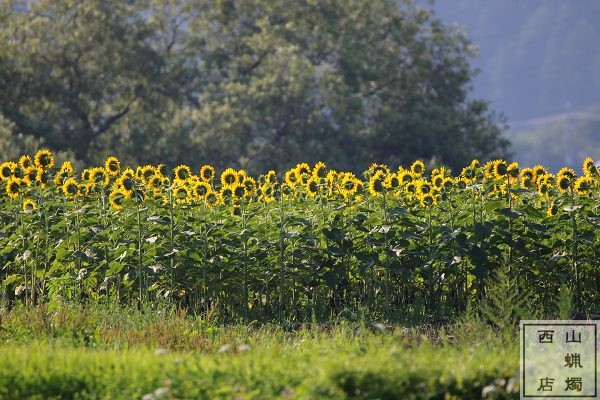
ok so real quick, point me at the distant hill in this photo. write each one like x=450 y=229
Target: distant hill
x=557 y=141
x=537 y=57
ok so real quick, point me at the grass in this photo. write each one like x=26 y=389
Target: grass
x=93 y=353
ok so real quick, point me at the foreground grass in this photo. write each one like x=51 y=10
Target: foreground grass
x=337 y=362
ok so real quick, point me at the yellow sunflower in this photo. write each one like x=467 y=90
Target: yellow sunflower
x=118 y=197
x=376 y=184
x=182 y=172
x=181 y=194
x=70 y=188
x=228 y=177
x=552 y=210
x=267 y=193
x=44 y=159
x=391 y=182
x=538 y=171
x=249 y=186
x=8 y=169
x=589 y=168
x=291 y=178
x=427 y=199
x=238 y=191
x=25 y=162
x=212 y=199
x=319 y=171
x=29 y=205
x=418 y=168
x=207 y=173
x=563 y=182
x=302 y=169
x=112 y=165
x=99 y=176
x=312 y=186
x=583 y=185
x=201 y=189
x=42 y=177
x=13 y=186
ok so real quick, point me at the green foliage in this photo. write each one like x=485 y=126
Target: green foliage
x=338 y=361
x=250 y=84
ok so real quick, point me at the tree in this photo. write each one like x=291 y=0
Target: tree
x=254 y=84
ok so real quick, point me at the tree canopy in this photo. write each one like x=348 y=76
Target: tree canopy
x=254 y=84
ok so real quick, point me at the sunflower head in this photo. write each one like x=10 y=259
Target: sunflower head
x=249 y=185
x=238 y=191
x=500 y=169
x=201 y=189
x=99 y=176
x=70 y=188
x=552 y=210
x=302 y=169
x=25 y=162
x=583 y=185
x=538 y=171
x=391 y=182
x=271 y=177
x=8 y=169
x=312 y=187
x=44 y=159
x=112 y=165
x=207 y=173
x=427 y=199
x=228 y=177
x=418 y=168
x=29 y=205
x=181 y=194
x=376 y=184
x=13 y=186
x=155 y=183
x=563 y=183
x=319 y=171
x=291 y=178
x=589 y=168
x=182 y=172
x=267 y=193
x=117 y=198
x=212 y=198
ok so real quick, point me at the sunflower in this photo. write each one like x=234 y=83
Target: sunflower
x=513 y=170
x=249 y=186
x=128 y=173
x=374 y=168
x=271 y=177
x=376 y=186
x=543 y=188
x=583 y=185
x=31 y=174
x=236 y=210
x=461 y=183
x=70 y=188
x=226 y=194
x=13 y=185
x=302 y=169
x=61 y=176
x=228 y=177
x=589 y=168
x=538 y=171
x=182 y=172
x=212 y=198
x=319 y=171
x=99 y=176
x=25 y=162
x=155 y=183
x=312 y=186
x=181 y=194
x=437 y=181
x=238 y=191
x=552 y=210
x=291 y=177
x=418 y=168
x=207 y=173
x=500 y=169
x=349 y=185
x=568 y=172
x=469 y=173
x=117 y=198
x=267 y=193
x=201 y=189
x=404 y=177
x=147 y=172
x=488 y=170
x=112 y=165
x=563 y=183
x=42 y=176
x=422 y=187
x=29 y=205
x=391 y=182
x=7 y=169
x=44 y=159
x=427 y=199
x=447 y=184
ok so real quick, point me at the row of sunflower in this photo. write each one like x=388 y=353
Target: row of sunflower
x=235 y=186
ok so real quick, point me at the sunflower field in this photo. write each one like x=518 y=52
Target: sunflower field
x=309 y=243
